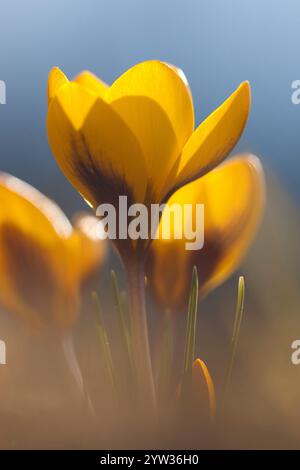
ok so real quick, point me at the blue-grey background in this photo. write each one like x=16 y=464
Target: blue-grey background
x=217 y=43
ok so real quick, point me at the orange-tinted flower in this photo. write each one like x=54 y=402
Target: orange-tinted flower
x=43 y=259
x=136 y=137
x=233 y=196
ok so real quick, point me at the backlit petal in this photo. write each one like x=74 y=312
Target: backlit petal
x=215 y=137
x=37 y=279
x=21 y=203
x=56 y=80
x=233 y=196
x=92 y=83
x=155 y=134
x=164 y=84
x=94 y=148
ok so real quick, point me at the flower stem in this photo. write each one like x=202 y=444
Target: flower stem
x=139 y=333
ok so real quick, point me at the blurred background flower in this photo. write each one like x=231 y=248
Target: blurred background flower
x=233 y=196
x=43 y=260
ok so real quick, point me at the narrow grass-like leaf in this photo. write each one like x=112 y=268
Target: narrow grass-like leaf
x=190 y=340
x=104 y=343
x=236 y=330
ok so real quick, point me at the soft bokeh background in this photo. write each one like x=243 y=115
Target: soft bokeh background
x=218 y=44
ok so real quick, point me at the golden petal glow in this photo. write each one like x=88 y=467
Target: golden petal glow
x=56 y=80
x=230 y=224
x=94 y=147
x=115 y=150
x=136 y=138
x=92 y=83
x=22 y=203
x=164 y=84
x=233 y=220
x=155 y=134
x=41 y=257
x=215 y=137
x=12 y=275
x=75 y=102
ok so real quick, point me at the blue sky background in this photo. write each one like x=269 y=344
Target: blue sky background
x=217 y=43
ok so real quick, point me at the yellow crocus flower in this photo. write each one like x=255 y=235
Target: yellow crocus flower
x=136 y=137
x=43 y=259
x=233 y=196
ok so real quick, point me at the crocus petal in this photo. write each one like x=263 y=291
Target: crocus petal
x=215 y=137
x=94 y=147
x=26 y=277
x=92 y=83
x=56 y=80
x=234 y=198
x=93 y=248
x=155 y=134
x=115 y=152
x=164 y=84
x=36 y=278
x=203 y=389
x=22 y=203
x=230 y=223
